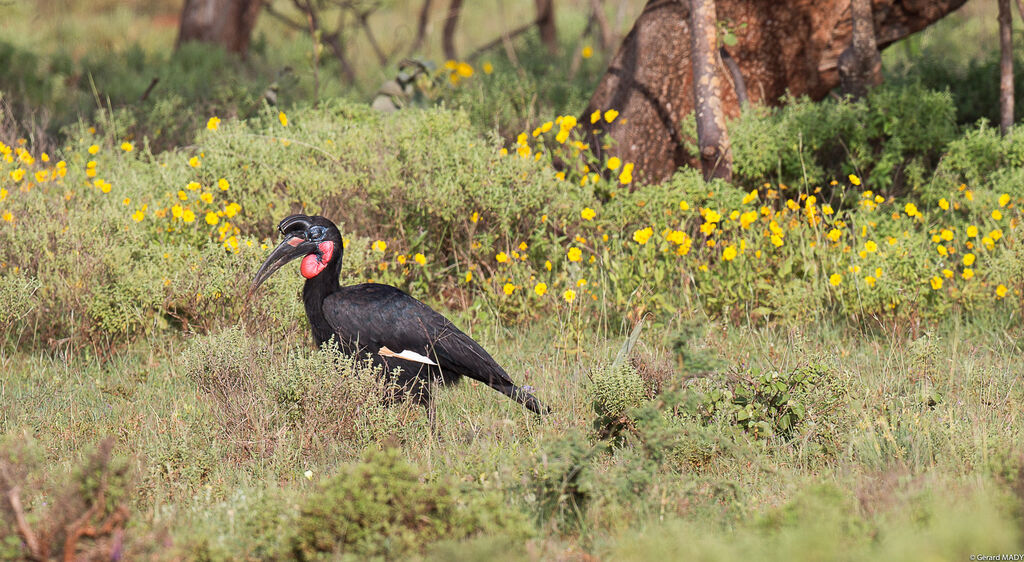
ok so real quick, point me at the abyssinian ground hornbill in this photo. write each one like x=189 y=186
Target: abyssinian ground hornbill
x=395 y=329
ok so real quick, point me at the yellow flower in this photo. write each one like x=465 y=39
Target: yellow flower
x=380 y=246
x=177 y=211
x=468 y=277
x=1004 y=199
x=776 y=240
x=595 y=116
x=835 y=279
x=997 y=215
x=588 y=214
x=232 y=209
x=211 y=218
x=750 y=196
x=3 y=194
x=911 y=210
x=127 y=146
x=488 y=67
x=575 y=254
x=420 y=259
x=996 y=234
x=854 y=179
x=969 y=259
x=508 y=288
x=206 y=197
x=283 y=119
x=18 y=174
x=626 y=176
x=523 y=150
x=94 y=149
x=936 y=282
x=8 y=217
x=127 y=201
x=610 y=115
x=870 y=281
x=213 y=123
x=729 y=253
x=581 y=282
x=502 y=257
x=540 y=289
x=871 y=246
x=401 y=259
x=684 y=206
x=942 y=250
x=194 y=161
x=188 y=215
x=968 y=273
x=192 y=186
x=569 y=295
x=1001 y=291
x=943 y=204
x=137 y=216
x=464 y=69
x=834 y=234
x=614 y=162
x=972 y=231
x=642 y=235
x=947 y=273
x=587 y=52
x=748 y=218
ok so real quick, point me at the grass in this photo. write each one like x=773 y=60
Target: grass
x=905 y=463
x=765 y=411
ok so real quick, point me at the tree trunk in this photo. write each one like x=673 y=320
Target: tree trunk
x=786 y=46
x=228 y=23
x=860 y=65
x=1005 y=67
x=451 y=21
x=712 y=137
x=421 y=27
x=546 y=24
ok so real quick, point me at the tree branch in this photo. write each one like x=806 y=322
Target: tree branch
x=31 y=542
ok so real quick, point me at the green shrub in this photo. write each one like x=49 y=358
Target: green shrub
x=17 y=299
x=380 y=507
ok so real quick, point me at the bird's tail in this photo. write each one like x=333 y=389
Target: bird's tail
x=523 y=396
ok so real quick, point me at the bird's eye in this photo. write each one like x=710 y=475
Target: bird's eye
x=317 y=232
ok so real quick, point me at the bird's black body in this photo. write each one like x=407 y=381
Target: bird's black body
x=394 y=329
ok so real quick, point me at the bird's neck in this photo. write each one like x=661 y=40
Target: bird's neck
x=313 y=294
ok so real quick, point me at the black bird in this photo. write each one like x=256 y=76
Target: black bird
x=395 y=329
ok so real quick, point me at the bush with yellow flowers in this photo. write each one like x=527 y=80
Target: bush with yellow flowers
x=126 y=242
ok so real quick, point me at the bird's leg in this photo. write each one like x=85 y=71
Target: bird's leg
x=432 y=404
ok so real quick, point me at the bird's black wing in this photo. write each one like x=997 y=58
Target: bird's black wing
x=385 y=320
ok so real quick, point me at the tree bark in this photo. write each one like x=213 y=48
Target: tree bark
x=451 y=22
x=1005 y=67
x=785 y=46
x=546 y=24
x=228 y=23
x=421 y=27
x=712 y=136
x=860 y=65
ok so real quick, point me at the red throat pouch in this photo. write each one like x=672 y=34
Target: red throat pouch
x=313 y=264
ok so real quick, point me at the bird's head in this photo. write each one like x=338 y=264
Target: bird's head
x=314 y=239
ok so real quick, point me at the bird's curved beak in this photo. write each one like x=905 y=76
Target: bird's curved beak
x=293 y=247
